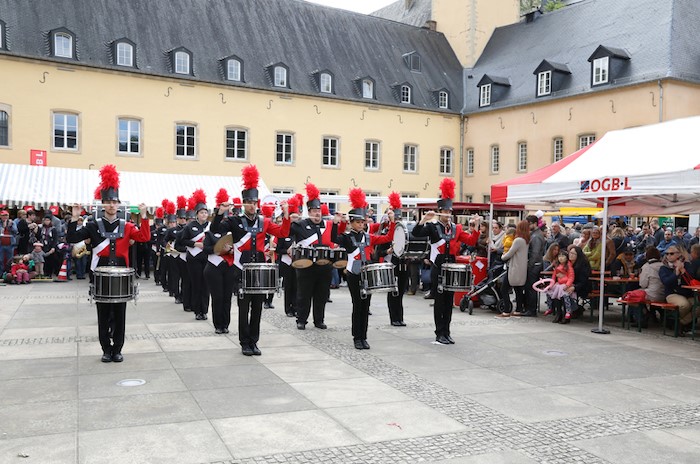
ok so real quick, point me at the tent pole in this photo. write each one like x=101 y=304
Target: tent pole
x=601 y=300
x=488 y=248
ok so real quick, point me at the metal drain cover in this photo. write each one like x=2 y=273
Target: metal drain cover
x=555 y=353
x=131 y=382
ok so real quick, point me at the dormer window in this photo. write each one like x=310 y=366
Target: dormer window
x=443 y=99
x=491 y=89
x=544 y=83
x=485 y=95
x=551 y=77
x=326 y=83
x=601 y=70
x=367 y=88
x=406 y=93
x=234 y=70
x=62 y=44
x=280 y=74
x=412 y=60
x=607 y=64
x=124 y=53
x=181 y=61
x=277 y=75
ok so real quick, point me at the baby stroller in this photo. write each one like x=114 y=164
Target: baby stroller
x=488 y=291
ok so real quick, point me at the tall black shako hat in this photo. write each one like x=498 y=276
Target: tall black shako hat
x=109 y=183
x=170 y=211
x=447 y=193
x=312 y=194
x=359 y=204
x=200 y=200
x=191 y=203
x=251 y=176
x=181 y=207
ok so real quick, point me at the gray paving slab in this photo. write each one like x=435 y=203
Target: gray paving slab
x=479 y=380
x=309 y=371
x=208 y=378
x=58 y=448
x=38 y=418
x=208 y=358
x=282 y=354
x=348 y=392
x=250 y=401
x=38 y=390
x=33 y=368
x=679 y=387
x=105 y=385
x=133 y=362
x=427 y=362
x=615 y=396
x=504 y=457
x=649 y=447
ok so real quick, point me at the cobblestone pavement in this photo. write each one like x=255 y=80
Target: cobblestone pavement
x=651 y=382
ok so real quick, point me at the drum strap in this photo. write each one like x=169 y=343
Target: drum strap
x=361 y=245
x=318 y=234
x=447 y=237
x=112 y=237
x=254 y=231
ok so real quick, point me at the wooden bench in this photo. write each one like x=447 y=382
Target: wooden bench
x=626 y=315
x=595 y=294
x=666 y=310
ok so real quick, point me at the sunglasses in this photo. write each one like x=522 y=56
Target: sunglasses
x=671 y=253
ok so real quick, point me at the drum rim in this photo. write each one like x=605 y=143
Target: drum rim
x=259 y=265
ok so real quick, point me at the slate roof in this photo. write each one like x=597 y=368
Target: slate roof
x=304 y=36
x=660 y=37
x=416 y=15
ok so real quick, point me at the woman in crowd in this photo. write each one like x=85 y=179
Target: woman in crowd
x=516 y=257
x=550 y=257
x=593 y=248
x=673 y=273
x=582 y=241
x=582 y=273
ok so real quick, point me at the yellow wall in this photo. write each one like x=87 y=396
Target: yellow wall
x=468 y=24
x=100 y=97
x=567 y=118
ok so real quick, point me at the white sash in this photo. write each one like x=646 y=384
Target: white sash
x=95 y=251
x=194 y=251
x=434 y=252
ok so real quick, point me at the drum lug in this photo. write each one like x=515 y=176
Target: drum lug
x=363 y=293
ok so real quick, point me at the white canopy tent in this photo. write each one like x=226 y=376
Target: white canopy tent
x=645 y=170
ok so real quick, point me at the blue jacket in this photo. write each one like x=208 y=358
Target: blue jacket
x=672 y=282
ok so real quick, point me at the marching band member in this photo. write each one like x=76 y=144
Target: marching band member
x=284 y=259
x=156 y=229
x=314 y=282
x=110 y=238
x=180 y=275
x=192 y=238
x=219 y=274
x=359 y=245
x=445 y=239
x=249 y=231
x=173 y=280
x=268 y=211
x=394 y=302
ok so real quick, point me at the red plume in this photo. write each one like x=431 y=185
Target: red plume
x=191 y=203
x=164 y=203
x=98 y=193
x=394 y=200
x=324 y=210
x=250 y=177
x=447 y=187
x=110 y=176
x=236 y=202
x=268 y=209
x=159 y=212
x=311 y=191
x=181 y=202
x=221 y=196
x=357 y=198
x=293 y=205
x=199 y=197
x=300 y=201
x=170 y=208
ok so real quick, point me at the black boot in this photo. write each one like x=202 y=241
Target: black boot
x=559 y=313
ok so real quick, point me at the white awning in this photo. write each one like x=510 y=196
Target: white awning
x=42 y=187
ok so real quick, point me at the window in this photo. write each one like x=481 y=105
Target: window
x=63 y=45
x=129 y=142
x=367 y=88
x=185 y=140
x=4 y=129
x=443 y=99
x=285 y=146
x=544 y=83
x=410 y=158
x=487 y=198
x=236 y=144
x=373 y=203
x=408 y=211
x=446 y=161
x=470 y=161
x=495 y=159
x=332 y=206
x=600 y=70
x=280 y=76
x=233 y=70
x=405 y=94
x=412 y=60
x=485 y=95
x=65 y=131
x=372 y=156
x=585 y=140
x=522 y=157
x=468 y=198
x=557 y=149
x=283 y=191
x=182 y=63
x=326 y=83
x=330 y=152
x=125 y=54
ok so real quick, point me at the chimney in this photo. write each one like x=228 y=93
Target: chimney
x=431 y=25
x=408 y=4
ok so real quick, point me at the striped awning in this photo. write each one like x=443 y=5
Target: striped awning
x=41 y=187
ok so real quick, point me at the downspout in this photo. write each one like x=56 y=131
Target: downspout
x=661 y=101
x=463 y=120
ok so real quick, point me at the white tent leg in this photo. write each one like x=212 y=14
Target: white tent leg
x=601 y=300
x=488 y=250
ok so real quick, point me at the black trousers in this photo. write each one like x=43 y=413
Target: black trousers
x=442 y=310
x=533 y=275
x=162 y=271
x=143 y=256
x=360 y=307
x=313 y=283
x=414 y=275
x=174 y=277
x=289 y=283
x=185 y=284
x=249 y=311
x=198 y=287
x=395 y=303
x=220 y=284
x=114 y=315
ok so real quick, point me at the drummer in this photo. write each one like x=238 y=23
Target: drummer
x=388 y=253
x=248 y=234
x=360 y=245
x=314 y=282
x=284 y=259
x=445 y=239
x=110 y=237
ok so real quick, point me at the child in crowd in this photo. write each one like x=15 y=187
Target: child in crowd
x=508 y=238
x=19 y=271
x=38 y=256
x=562 y=290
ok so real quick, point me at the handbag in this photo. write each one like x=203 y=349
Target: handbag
x=635 y=296
x=689 y=281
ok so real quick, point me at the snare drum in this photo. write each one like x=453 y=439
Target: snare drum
x=114 y=284
x=400 y=240
x=260 y=278
x=340 y=257
x=416 y=249
x=302 y=257
x=324 y=255
x=455 y=277
x=378 y=278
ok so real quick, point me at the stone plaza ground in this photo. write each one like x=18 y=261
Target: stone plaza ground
x=509 y=391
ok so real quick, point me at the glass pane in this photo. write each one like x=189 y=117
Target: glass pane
x=134 y=146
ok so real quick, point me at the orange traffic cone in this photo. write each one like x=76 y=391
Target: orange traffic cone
x=63 y=273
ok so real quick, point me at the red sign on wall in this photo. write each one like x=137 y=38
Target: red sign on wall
x=37 y=157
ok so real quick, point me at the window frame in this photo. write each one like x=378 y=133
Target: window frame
x=469 y=165
x=370 y=154
x=600 y=71
x=446 y=162
x=181 y=53
x=329 y=77
x=332 y=205
x=7 y=109
x=406 y=94
x=485 y=95
x=129 y=120
x=236 y=140
x=231 y=61
x=284 y=143
x=185 y=146
x=557 y=141
x=124 y=43
x=495 y=159
x=371 y=84
x=588 y=138
x=522 y=157
x=443 y=99
x=408 y=146
x=65 y=137
x=544 y=83
x=71 y=42
x=275 y=81
x=326 y=152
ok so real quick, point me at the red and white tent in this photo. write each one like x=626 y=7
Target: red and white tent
x=642 y=170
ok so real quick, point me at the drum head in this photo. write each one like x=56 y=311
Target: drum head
x=302 y=263
x=400 y=239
